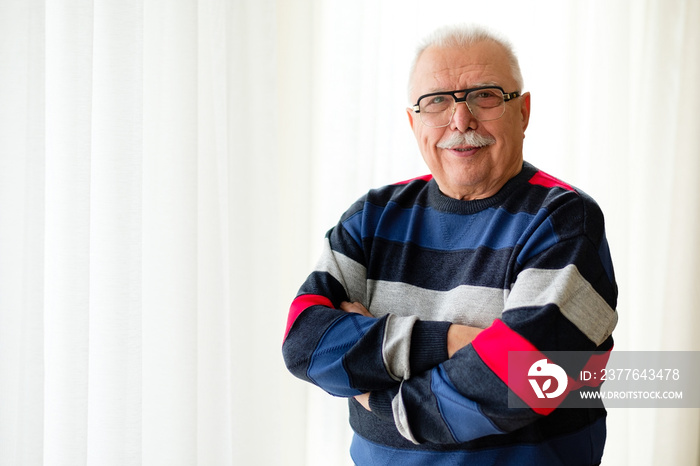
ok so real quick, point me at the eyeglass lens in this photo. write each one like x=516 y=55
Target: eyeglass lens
x=484 y=104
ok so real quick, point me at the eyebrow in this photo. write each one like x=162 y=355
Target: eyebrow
x=472 y=86
x=436 y=90
x=488 y=83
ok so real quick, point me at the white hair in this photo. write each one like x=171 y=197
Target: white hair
x=464 y=35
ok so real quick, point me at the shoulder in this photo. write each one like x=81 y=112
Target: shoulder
x=405 y=193
x=571 y=210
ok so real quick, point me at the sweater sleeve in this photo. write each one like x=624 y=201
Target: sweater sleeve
x=348 y=354
x=562 y=298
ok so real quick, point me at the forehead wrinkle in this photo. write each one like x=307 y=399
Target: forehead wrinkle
x=450 y=79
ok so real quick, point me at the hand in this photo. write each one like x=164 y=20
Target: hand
x=364 y=400
x=355 y=308
x=459 y=336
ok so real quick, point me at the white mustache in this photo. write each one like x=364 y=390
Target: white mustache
x=466 y=139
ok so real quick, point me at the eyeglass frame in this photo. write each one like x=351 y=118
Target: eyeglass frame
x=507 y=96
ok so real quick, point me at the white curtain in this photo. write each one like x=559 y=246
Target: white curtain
x=168 y=169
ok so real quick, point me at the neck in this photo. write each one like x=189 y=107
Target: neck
x=482 y=190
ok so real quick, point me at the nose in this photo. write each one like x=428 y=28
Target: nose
x=462 y=119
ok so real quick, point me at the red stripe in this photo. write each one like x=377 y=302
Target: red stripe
x=521 y=384
x=548 y=181
x=493 y=345
x=300 y=304
x=424 y=178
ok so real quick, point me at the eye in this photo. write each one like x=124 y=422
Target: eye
x=486 y=98
x=436 y=103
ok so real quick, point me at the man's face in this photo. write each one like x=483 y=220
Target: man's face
x=468 y=172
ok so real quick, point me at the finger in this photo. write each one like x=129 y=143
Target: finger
x=355 y=308
x=346 y=306
x=351 y=307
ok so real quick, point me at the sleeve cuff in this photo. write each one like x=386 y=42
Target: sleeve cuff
x=428 y=345
x=380 y=403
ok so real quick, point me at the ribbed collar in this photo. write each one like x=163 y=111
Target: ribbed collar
x=445 y=203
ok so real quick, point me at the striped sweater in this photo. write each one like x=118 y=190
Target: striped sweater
x=530 y=265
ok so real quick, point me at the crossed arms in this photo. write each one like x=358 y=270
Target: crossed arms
x=439 y=381
x=458 y=336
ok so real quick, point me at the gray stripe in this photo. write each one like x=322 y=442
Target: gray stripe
x=396 y=347
x=350 y=273
x=577 y=300
x=468 y=305
x=401 y=418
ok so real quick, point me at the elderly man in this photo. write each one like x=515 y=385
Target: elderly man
x=425 y=286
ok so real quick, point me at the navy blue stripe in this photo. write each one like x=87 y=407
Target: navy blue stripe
x=397 y=262
x=304 y=339
x=546 y=325
x=324 y=284
x=461 y=415
x=606 y=260
x=432 y=229
x=423 y=412
x=365 y=364
x=345 y=242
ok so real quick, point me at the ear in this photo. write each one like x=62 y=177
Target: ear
x=525 y=110
x=411 y=116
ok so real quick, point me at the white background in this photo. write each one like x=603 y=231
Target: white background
x=168 y=170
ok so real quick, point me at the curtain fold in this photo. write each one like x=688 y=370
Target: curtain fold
x=168 y=171
x=67 y=230
x=115 y=156
x=22 y=191
x=169 y=261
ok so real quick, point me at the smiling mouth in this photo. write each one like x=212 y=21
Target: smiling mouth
x=465 y=151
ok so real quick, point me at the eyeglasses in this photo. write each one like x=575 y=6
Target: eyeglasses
x=485 y=103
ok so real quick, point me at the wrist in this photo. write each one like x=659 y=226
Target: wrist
x=428 y=345
x=459 y=336
x=380 y=402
